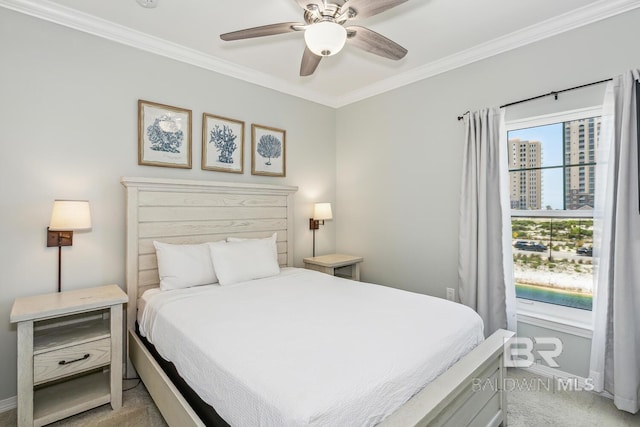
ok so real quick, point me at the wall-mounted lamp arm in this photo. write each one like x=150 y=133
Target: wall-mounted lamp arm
x=314 y=224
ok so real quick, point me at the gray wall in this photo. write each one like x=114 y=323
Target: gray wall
x=574 y=358
x=68 y=109
x=399 y=155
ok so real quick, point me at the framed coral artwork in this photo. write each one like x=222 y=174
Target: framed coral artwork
x=268 y=151
x=164 y=135
x=222 y=144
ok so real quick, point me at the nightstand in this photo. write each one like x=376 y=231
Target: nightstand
x=335 y=264
x=69 y=353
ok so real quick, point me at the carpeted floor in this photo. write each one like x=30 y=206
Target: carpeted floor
x=531 y=404
x=542 y=406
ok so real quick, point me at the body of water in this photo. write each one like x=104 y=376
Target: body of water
x=555 y=296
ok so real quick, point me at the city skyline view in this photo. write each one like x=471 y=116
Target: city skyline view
x=550 y=138
x=552 y=167
x=549 y=184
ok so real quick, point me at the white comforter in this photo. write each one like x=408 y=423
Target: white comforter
x=305 y=348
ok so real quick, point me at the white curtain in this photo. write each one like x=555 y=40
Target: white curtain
x=485 y=279
x=615 y=352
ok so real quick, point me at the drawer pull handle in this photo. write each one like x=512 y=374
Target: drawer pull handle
x=67 y=362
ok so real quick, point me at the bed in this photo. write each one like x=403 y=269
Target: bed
x=189 y=212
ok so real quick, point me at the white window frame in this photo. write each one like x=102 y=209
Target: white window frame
x=567 y=319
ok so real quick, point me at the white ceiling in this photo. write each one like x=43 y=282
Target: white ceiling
x=439 y=34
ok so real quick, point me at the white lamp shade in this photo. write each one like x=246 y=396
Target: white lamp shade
x=322 y=211
x=325 y=38
x=70 y=215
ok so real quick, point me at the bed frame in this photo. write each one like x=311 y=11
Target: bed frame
x=181 y=211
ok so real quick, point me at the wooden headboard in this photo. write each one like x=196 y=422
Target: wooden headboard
x=181 y=211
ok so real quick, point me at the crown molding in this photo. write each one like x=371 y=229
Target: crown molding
x=586 y=15
x=62 y=15
x=80 y=21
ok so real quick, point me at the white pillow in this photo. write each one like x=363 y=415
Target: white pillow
x=239 y=261
x=183 y=266
x=271 y=240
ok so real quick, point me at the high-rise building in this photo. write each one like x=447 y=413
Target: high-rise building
x=526 y=186
x=580 y=142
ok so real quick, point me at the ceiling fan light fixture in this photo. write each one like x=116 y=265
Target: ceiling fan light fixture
x=325 y=38
x=148 y=4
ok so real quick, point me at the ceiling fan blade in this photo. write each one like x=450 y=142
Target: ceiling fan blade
x=366 y=8
x=309 y=63
x=265 y=30
x=370 y=41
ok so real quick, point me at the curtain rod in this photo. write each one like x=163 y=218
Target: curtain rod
x=552 y=93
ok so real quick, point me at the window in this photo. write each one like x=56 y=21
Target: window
x=552 y=198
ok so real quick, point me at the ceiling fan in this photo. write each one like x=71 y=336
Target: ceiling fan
x=325 y=33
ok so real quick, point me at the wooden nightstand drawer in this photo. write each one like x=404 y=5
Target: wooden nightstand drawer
x=66 y=361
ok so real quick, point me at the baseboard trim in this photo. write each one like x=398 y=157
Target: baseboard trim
x=8 y=404
x=547 y=372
